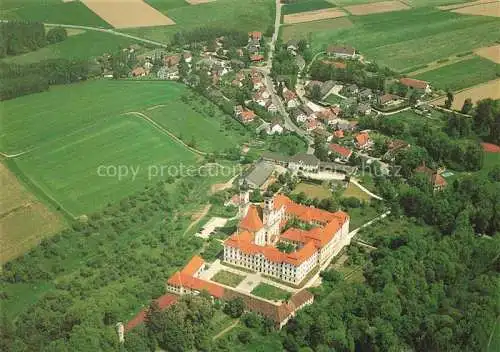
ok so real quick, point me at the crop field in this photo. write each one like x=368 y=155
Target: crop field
x=489 y=9
x=80 y=46
x=68 y=132
x=311 y=16
x=305 y=5
x=308 y=29
x=51 y=11
x=130 y=13
x=378 y=7
x=491 y=53
x=461 y=74
x=405 y=39
x=412 y=3
x=24 y=220
x=255 y=15
x=475 y=93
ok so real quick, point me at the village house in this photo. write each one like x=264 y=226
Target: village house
x=244 y=115
x=275 y=128
x=139 y=72
x=393 y=148
x=171 y=60
x=257 y=58
x=344 y=52
x=390 y=100
x=170 y=73
x=290 y=98
x=299 y=115
x=343 y=154
x=304 y=162
x=363 y=141
x=364 y=109
x=337 y=134
x=436 y=180
x=313 y=124
x=365 y=94
x=271 y=107
x=352 y=89
x=422 y=87
x=254 y=36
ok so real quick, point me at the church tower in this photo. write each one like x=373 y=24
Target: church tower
x=244 y=203
x=271 y=219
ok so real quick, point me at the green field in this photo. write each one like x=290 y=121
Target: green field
x=305 y=5
x=197 y=128
x=334 y=99
x=413 y=3
x=80 y=46
x=50 y=11
x=228 y=278
x=461 y=74
x=270 y=292
x=69 y=131
x=313 y=190
x=255 y=15
x=404 y=39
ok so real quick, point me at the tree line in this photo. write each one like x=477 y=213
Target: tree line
x=18 y=80
x=232 y=38
x=22 y=37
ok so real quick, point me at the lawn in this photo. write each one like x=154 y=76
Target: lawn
x=228 y=278
x=80 y=46
x=462 y=74
x=354 y=191
x=192 y=124
x=334 y=99
x=360 y=216
x=270 y=292
x=313 y=190
x=51 y=11
x=305 y=5
x=70 y=131
x=405 y=39
x=255 y=15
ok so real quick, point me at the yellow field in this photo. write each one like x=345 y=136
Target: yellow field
x=24 y=221
x=482 y=91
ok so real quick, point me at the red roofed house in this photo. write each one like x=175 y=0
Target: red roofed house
x=244 y=115
x=345 y=52
x=257 y=58
x=290 y=98
x=139 y=72
x=363 y=141
x=437 y=181
x=255 y=35
x=172 y=60
x=418 y=85
x=390 y=100
x=164 y=302
x=253 y=246
x=343 y=152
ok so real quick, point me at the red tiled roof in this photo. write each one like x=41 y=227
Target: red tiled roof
x=164 y=302
x=362 y=139
x=257 y=57
x=179 y=279
x=252 y=221
x=490 y=148
x=171 y=60
x=388 y=97
x=413 y=83
x=193 y=266
x=247 y=115
x=341 y=50
x=255 y=35
x=438 y=180
x=339 y=134
x=345 y=152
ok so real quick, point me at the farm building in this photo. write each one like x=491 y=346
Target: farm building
x=345 y=52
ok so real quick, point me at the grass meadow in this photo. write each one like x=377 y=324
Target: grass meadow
x=69 y=131
x=80 y=46
x=254 y=15
x=403 y=39
x=270 y=292
x=462 y=74
x=228 y=278
x=51 y=11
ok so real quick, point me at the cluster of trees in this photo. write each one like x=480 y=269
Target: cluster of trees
x=21 y=37
x=232 y=38
x=428 y=144
x=18 y=80
x=101 y=270
x=181 y=327
x=424 y=291
x=284 y=68
x=370 y=76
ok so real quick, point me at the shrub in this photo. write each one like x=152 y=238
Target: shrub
x=56 y=35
